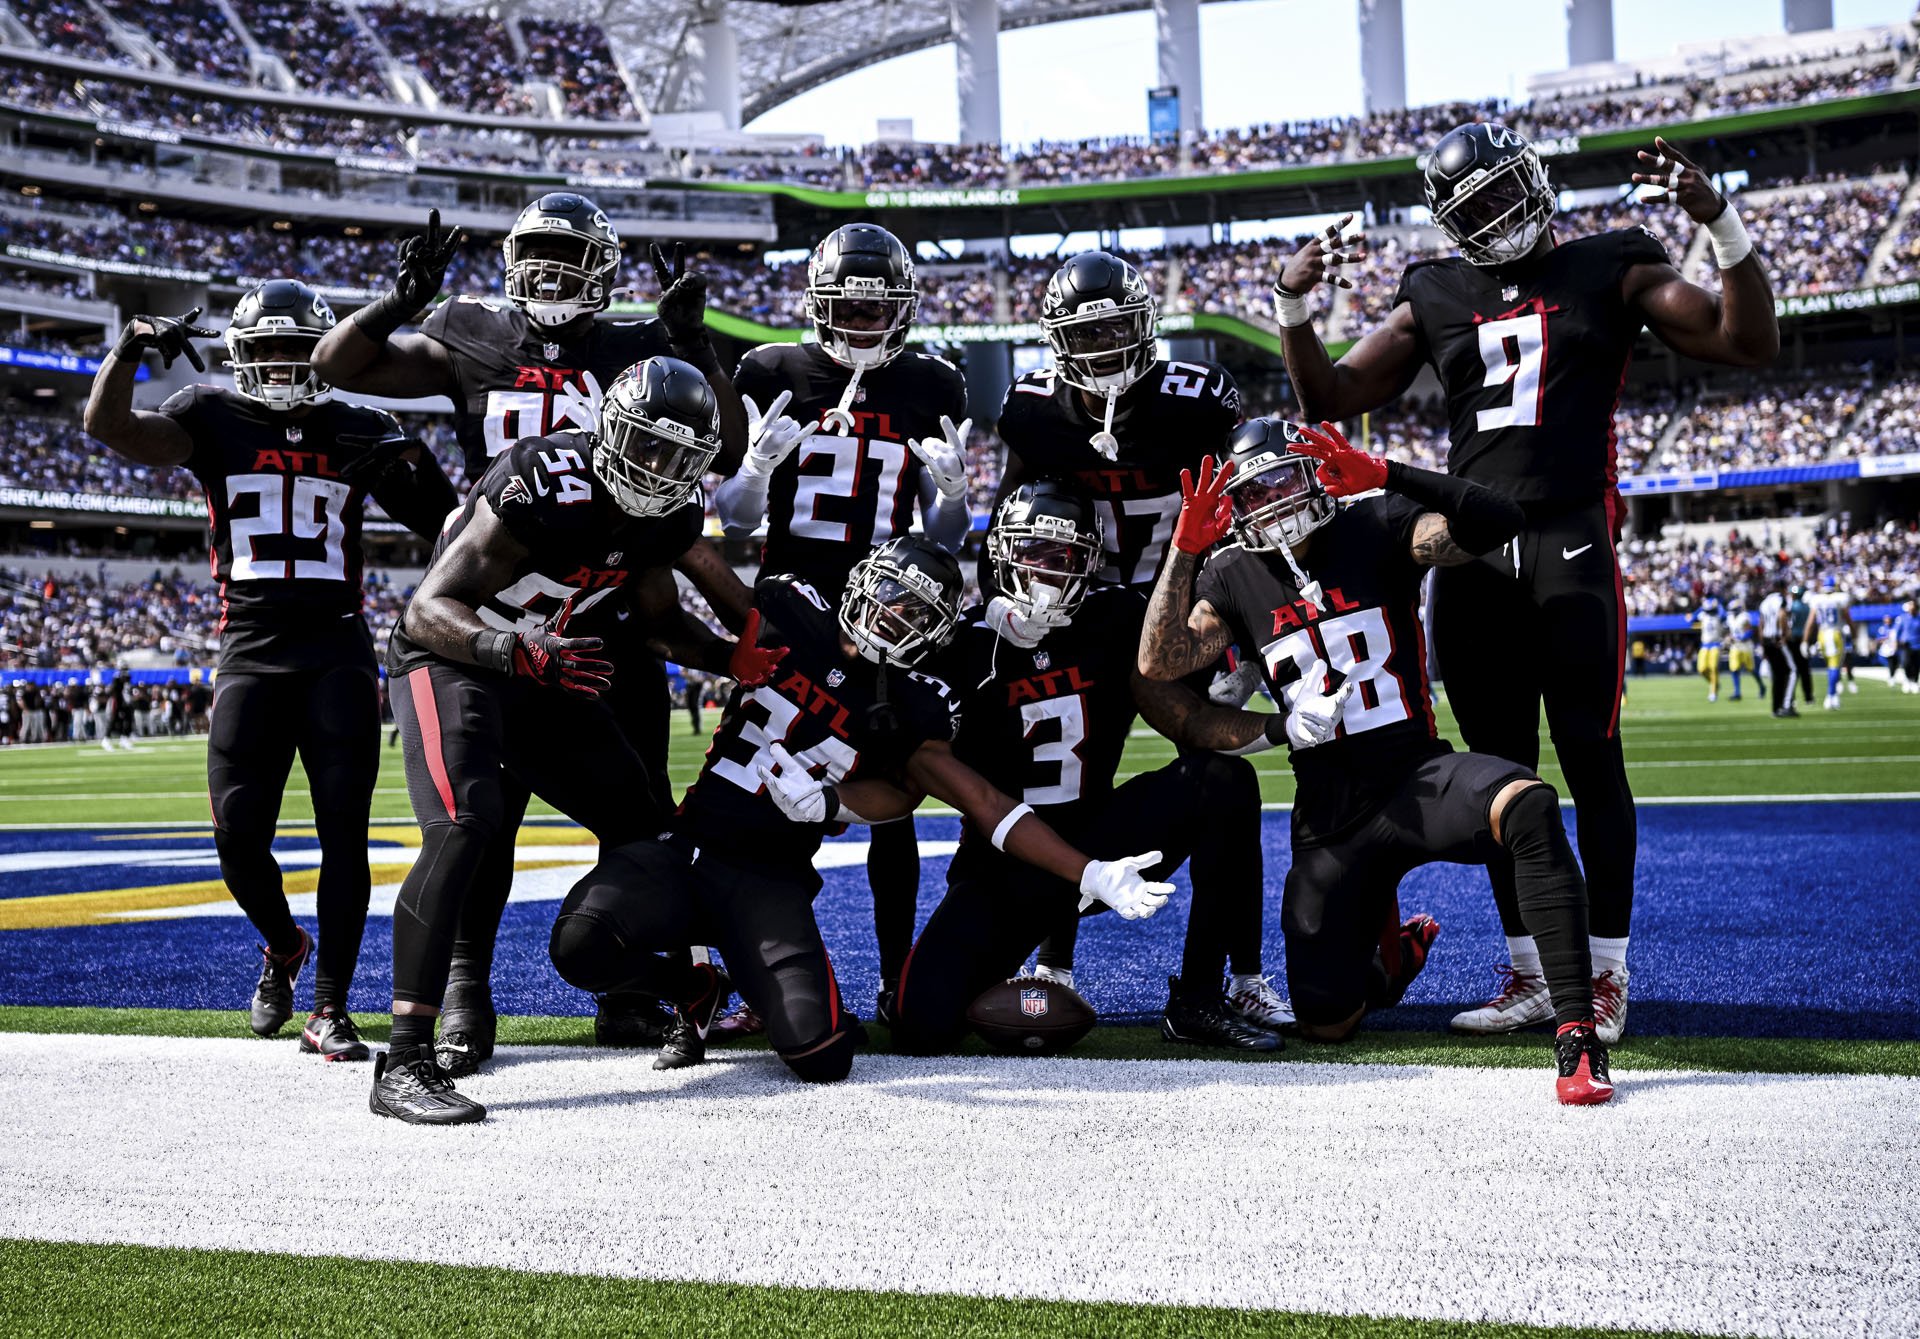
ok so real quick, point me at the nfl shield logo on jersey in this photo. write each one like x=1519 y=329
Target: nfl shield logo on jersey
x=552 y=351
x=1042 y=659
x=1033 y=1003
x=1509 y=293
x=835 y=678
x=294 y=435
x=613 y=559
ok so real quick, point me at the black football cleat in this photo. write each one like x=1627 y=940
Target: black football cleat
x=630 y=1021
x=273 y=997
x=468 y=1024
x=1202 y=1018
x=1582 y=1057
x=415 y=1091
x=686 y=1040
x=330 y=1034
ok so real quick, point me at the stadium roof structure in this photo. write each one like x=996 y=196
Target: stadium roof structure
x=786 y=46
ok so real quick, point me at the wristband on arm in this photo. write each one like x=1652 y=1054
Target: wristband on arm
x=1478 y=519
x=493 y=649
x=381 y=317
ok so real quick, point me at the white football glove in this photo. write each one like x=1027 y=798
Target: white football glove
x=795 y=793
x=1025 y=629
x=1118 y=884
x=772 y=436
x=577 y=406
x=1236 y=687
x=1313 y=716
x=945 y=460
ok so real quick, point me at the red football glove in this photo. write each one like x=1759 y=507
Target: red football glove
x=548 y=656
x=1343 y=471
x=752 y=664
x=1205 y=513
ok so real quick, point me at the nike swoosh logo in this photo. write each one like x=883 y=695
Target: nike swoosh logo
x=1575 y=553
x=446 y=1046
x=623 y=615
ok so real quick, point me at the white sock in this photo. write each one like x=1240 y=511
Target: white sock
x=1238 y=981
x=1608 y=954
x=1525 y=956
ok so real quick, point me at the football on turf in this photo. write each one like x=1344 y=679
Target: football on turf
x=1028 y=1016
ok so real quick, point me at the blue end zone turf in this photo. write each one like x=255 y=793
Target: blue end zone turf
x=1752 y=920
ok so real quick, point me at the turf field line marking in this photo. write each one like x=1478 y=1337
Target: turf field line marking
x=1765 y=762
x=141 y=795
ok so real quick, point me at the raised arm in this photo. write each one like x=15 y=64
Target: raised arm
x=110 y=418
x=1374 y=371
x=1179 y=636
x=362 y=353
x=943 y=484
x=725 y=593
x=682 y=310
x=741 y=501
x=1737 y=328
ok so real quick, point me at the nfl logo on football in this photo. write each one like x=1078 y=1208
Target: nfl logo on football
x=1033 y=1003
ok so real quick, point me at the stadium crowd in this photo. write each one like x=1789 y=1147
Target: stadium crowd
x=328 y=52
x=1871 y=564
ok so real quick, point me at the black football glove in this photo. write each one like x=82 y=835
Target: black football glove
x=683 y=296
x=424 y=258
x=376 y=459
x=548 y=656
x=167 y=336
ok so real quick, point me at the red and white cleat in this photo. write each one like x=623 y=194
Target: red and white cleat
x=1584 y=1080
x=1610 y=1004
x=1522 y=1001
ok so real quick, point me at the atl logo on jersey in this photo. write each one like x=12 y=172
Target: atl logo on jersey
x=1296 y=614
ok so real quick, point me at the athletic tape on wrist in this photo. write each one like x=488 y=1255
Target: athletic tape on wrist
x=1014 y=815
x=1291 y=309
x=1727 y=235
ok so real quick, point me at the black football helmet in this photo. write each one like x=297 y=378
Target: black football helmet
x=1045 y=535
x=861 y=295
x=562 y=256
x=270 y=344
x=1488 y=192
x=1099 y=318
x=1275 y=492
x=902 y=601
x=659 y=430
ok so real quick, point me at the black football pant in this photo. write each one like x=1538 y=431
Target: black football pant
x=1340 y=896
x=331 y=718
x=624 y=927
x=1780 y=672
x=1205 y=807
x=475 y=745
x=641 y=705
x=1544 y=619
x=1802 y=670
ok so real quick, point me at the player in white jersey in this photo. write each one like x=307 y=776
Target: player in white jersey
x=1831 y=631
x=1713 y=631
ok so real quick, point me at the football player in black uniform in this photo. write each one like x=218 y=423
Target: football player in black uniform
x=896 y=430
x=1330 y=598
x=285 y=469
x=491 y=682
x=1531 y=336
x=1120 y=422
x=1048 y=724
x=523 y=367
x=845 y=730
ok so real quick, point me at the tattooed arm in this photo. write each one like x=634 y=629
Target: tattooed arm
x=1191 y=721
x=1180 y=636
x=1433 y=544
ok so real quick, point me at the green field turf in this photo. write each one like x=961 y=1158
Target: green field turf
x=1677 y=745
x=60 y=1288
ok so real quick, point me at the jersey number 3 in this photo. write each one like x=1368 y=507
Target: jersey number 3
x=1515 y=353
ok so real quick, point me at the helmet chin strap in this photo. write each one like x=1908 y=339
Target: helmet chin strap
x=1104 y=441
x=1309 y=588
x=839 y=419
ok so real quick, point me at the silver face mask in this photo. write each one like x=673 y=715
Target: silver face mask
x=276 y=382
x=1499 y=217
x=894 y=614
x=1277 y=501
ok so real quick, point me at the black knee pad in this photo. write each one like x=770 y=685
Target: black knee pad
x=587 y=951
x=1531 y=821
x=828 y=1064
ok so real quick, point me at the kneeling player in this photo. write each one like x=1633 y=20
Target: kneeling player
x=1326 y=592
x=1047 y=706
x=491 y=686
x=790 y=760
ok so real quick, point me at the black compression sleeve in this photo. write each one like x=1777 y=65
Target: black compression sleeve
x=1477 y=517
x=419 y=497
